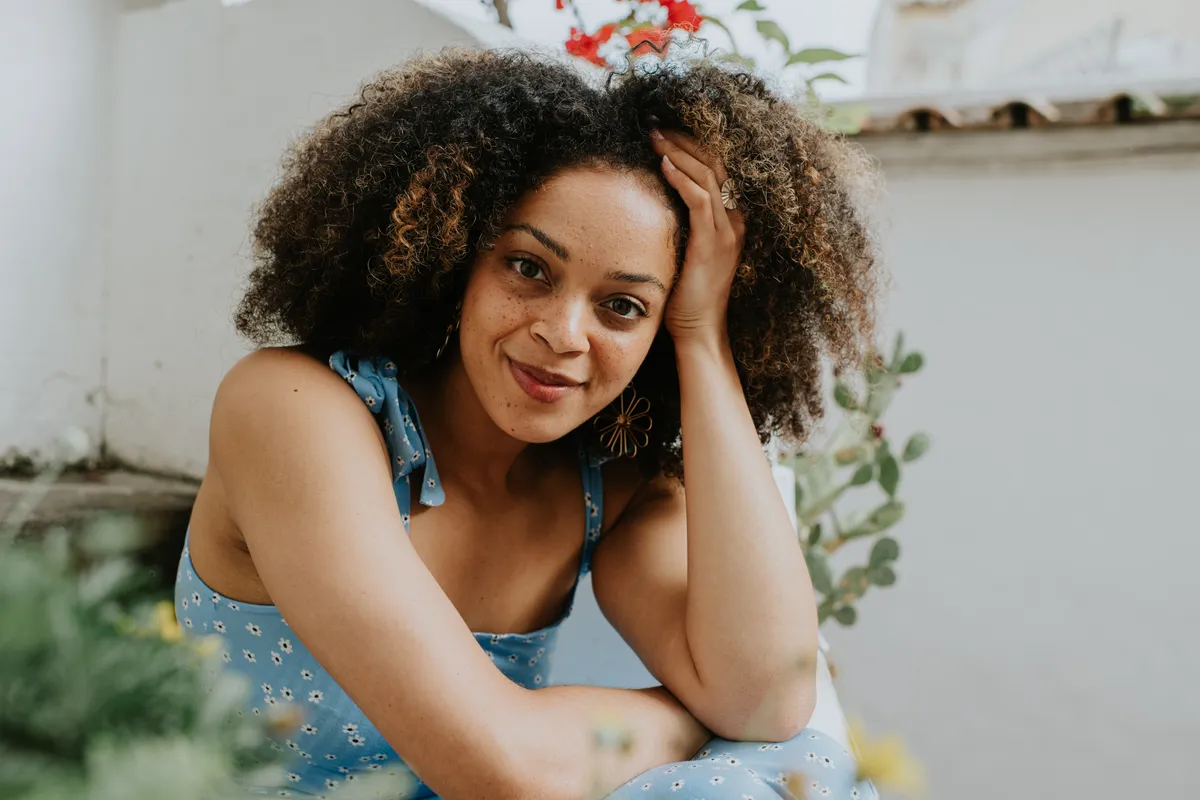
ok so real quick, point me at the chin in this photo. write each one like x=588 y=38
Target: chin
x=532 y=422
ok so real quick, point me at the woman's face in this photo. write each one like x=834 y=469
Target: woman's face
x=559 y=314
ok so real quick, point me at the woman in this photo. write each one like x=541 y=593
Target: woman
x=550 y=288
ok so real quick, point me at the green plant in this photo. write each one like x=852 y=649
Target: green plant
x=859 y=455
x=101 y=698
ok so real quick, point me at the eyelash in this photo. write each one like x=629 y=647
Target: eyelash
x=637 y=307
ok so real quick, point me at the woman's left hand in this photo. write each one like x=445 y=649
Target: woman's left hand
x=714 y=247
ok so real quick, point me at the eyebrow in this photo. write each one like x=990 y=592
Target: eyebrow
x=636 y=277
x=541 y=236
x=561 y=252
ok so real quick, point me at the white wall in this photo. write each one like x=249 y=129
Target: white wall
x=54 y=204
x=208 y=98
x=1037 y=644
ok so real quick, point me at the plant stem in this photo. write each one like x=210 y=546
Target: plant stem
x=501 y=7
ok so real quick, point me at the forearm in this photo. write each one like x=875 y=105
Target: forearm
x=751 y=622
x=585 y=741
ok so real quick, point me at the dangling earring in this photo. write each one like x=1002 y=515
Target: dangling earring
x=450 y=329
x=625 y=425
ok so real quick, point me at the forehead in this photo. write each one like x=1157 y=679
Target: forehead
x=603 y=214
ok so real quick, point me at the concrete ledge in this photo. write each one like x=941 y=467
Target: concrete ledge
x=1035 y=148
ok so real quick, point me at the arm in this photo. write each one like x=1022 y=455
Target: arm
x=710 y=587
x=304 y=472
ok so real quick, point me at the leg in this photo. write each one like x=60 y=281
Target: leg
x=810 y=766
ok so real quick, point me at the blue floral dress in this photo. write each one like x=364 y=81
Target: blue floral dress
x=336 y=744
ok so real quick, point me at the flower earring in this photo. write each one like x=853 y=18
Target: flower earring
x=450 y=329
x=625 y=425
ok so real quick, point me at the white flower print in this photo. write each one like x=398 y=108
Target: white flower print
x=249 y=656
x=374 y=766
x=330 y=783
x=647 y=786
x=344 y=770
x=285 y=693
x=370 y=401
x=228 y=658
x=293 y=777
x=276 y=658
x=537 y=678
x=254 y=629
x=733 y=762
x=187 y=621
x=330 y=757
x=702 y=755
x=285 y=645
x=677 y=785
x=542 y=637
x=185 y=603
x=284 y=793
x=810 y=756
x=233 y=606
x=196 y=598
x=351 y=375
x=415 y=456
x=305 y=755
x=431 y=483
x=269 y=700
x=218 y=626
x=216 y=598
x=256 y=711
x=365 y=759
x=825 y=791
x=309 y=729
x=380 y=757
x=388 y=427
x=404 y=518
x=306 y=675
x=356 y=740
x=671 y=769
x=512 y=657
x=316 y=696
x=389 y=366
x=853 y=793
x=532 y=661
x=266 y=687
x=693 y=765
x=350 y=727
x=495 y=638
x=716 y=779
x=291 y=744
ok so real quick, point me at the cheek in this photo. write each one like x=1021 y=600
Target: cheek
x=618 y=358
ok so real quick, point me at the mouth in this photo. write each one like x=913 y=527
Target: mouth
x=542 y=385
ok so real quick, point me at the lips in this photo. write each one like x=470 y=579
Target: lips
x=542 y=385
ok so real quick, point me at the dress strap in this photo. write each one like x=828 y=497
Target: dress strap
x=374 y=379
x=593 y=500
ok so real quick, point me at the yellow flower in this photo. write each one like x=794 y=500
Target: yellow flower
x=163 y=622
x=886 y=763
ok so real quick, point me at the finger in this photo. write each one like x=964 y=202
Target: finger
x=707 y=171
x=695 y=197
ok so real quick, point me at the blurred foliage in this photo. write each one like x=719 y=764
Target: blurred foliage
x=859 y=455
x=100 y=696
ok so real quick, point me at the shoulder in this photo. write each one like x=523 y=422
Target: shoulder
x=281 y=398
x=627 y=490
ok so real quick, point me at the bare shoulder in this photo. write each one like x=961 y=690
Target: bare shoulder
x=626 y=489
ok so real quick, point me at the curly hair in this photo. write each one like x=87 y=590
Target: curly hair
x=365 y=242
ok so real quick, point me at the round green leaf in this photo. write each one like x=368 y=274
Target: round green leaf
x=814 y=535
x=916 y=446
x=824 y=611
x=887 y=515
x=844 y=397
x=889 y=474
x=846 y=615
x=854 y=583
x=863 y=475
x=750 y=5
x=885 y=551
x=818 y=571
x=882 y=576
x=912 y=363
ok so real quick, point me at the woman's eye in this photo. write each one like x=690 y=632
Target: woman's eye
x=626 y=308
x=528 y=269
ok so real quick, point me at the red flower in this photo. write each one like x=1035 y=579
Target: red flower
x=558 y=4
x=654 y=40
x=682 y=14
x=585 y=46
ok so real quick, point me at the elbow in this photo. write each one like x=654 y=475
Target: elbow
x=774 y=711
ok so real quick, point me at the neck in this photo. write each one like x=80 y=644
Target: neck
x=470 y=449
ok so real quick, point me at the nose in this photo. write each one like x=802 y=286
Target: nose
x=562 y=326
